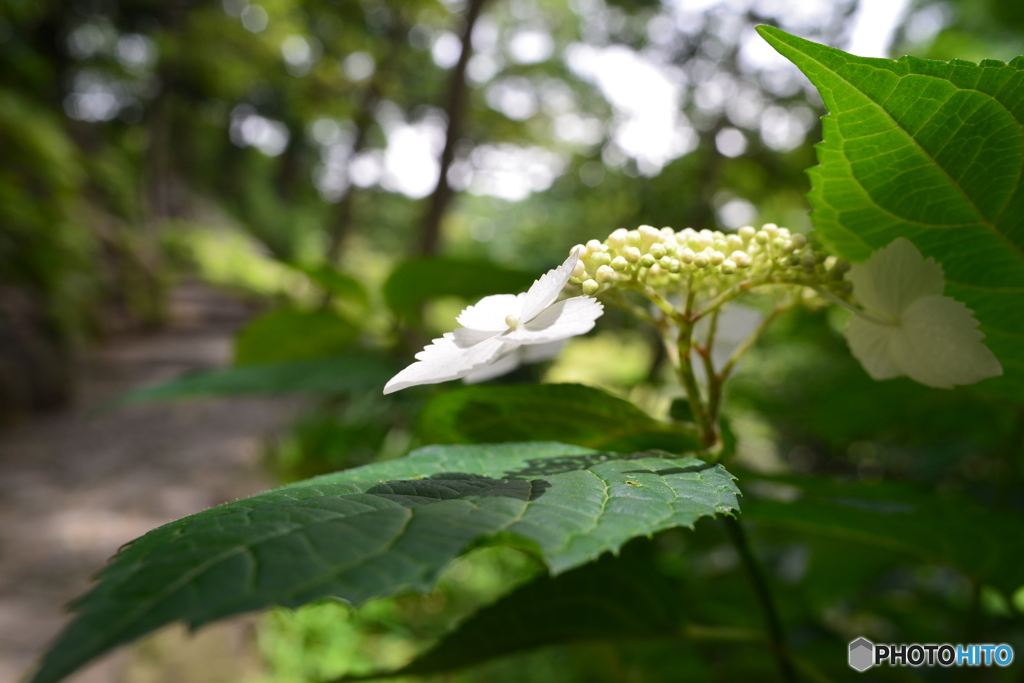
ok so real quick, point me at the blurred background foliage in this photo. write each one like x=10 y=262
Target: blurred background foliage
x=351 y=167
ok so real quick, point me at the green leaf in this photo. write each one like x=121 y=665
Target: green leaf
x=570 y=413
x=336 y=282
x=422 y=279
x=382 y=529
x=614 y=598
x=931 y=151
x=289 y=334
x=954 y=531
x=342 y=375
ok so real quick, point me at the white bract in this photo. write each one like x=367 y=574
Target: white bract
x=498 y=326
x=909 y=327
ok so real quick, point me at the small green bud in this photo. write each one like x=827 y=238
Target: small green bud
x=717 y=258
x=655 y=270
x=619 y=263
x=701 y=260
x=590 y=287
x=794 y=259
x=846 y=287
x=657 y=250
x=761 y=237
x=673 y=265
x=746 y=233
x=605 y=274
x=733 y=243
x=647 y=261
x=841 y=266
x=740 y=258
x=631 y=254
x=600 y=259
x=800 y=241
x=649 y=235
x=728 y=267
x=783 y=245
x=617 y=240
x=686 y=255
x=633 y=238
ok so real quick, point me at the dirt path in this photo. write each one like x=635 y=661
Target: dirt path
x=76 y=485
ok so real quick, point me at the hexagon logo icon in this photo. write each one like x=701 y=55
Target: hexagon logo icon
x=862 y=654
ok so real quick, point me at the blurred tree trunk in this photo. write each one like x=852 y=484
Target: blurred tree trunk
x=430 y=235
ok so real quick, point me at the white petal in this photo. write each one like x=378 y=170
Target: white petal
x=534 y=353
x=445 y=360
x=544 y=291
x=467 y=336
x=870 y=344
x=502 y=366
x=489 y=313
x=562 y=320
x=895 y=277
x=938 y=344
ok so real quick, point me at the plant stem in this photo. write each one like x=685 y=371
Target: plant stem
x=776 y=636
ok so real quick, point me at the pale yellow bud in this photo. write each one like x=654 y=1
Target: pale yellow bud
x=728 y=267
x=741 y=259
x=619 y=263
x=649 y=235
x=771 y=229
x=701 y=260
x=605 y=274
x=579 y=269
x=686 y=255
x=593 y=247
x=631 y=254
x=717 y=258
x=746 y=233
x=617 y=240
x=591 y=287
x=733 y=242
x=657 y=250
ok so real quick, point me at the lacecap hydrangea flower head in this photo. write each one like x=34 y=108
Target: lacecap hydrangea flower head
x=909 y=328
x=499 y=326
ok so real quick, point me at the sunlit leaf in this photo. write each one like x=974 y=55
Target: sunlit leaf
x=931 y=151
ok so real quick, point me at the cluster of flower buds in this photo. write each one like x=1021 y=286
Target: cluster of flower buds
x=705 y=259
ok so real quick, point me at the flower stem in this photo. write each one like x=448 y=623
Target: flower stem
x=776 y=636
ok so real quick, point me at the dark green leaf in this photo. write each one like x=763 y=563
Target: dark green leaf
x=382 y=529
x=422 y=279
x=932 y=151
x=287 y=334
x=349 y=374
x=953 y=531
x=571 y=413
x=612 y=599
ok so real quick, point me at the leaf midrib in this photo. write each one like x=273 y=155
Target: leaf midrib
x=982 y=220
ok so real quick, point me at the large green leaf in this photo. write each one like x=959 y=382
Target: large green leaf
x=952 y=530
x=571 y=413
x=385 y=528
x=611 y=599
x=422 y=279
x=289 y=334
x=932 y=151
x=342 y=375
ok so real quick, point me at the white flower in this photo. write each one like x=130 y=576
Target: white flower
x=498 y=326
x=909 y=327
